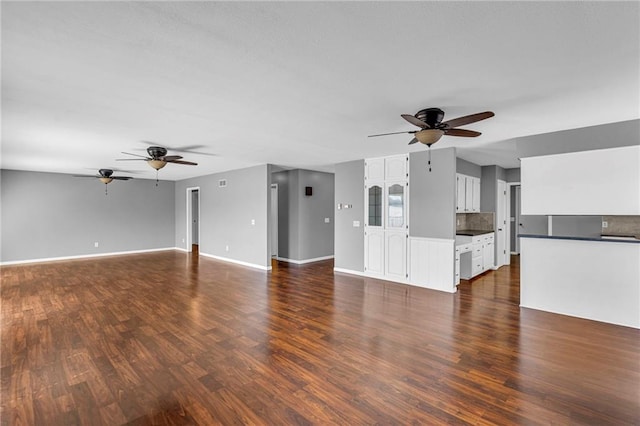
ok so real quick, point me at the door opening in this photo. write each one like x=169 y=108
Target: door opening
x=274 y=220
x=515 y=220
x=193 y=220
x=503 y=256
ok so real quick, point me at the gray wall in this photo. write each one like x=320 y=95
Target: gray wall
x=432 y=203
x=47 y=215
x=513 y=175
x=226 y=214
x=302 y=231
x=349 y=240
x=488 y=185
x=467 y=168
x=576 y=226
x=315 y=237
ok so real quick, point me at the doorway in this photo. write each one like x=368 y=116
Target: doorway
x=193 y=220
x=274 y=220
x=515 y=221
x=503 y=257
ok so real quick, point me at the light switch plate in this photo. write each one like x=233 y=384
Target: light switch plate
x=327 y=220
x=356 y=223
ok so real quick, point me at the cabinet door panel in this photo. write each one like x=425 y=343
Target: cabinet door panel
x=374 y=169
x=460 y=193
x=374 y=252
x=396 y=206
x=475 y=203
x=396 y=255
x=396 y=168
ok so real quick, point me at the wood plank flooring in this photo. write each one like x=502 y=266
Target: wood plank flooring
x=166 y=338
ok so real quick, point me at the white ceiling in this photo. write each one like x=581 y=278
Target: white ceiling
x=302 y=84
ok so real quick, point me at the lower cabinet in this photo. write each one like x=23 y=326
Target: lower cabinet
x=386 y=254
x=481 y=257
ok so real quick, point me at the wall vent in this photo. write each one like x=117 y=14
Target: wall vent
x=222 y=183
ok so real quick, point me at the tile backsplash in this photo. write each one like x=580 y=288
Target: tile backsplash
x=475 y=221
x=621 y=225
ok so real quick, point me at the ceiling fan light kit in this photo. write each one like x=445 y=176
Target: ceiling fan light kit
x=157 y=164
x=429 y=136
x=433 y=128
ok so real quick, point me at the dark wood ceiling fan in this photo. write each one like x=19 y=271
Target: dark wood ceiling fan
x=432 y=128
x=105 y=176
x=157 y=159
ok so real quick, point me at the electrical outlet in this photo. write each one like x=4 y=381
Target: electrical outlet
x=327 y=220
x=183 y=240
x=458 y=222
x=226 y=248
x=253 y=221
x=605 y=224
x=95 y=244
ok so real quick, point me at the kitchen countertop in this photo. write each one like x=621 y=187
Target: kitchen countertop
x=603 y=238
x=472 y=232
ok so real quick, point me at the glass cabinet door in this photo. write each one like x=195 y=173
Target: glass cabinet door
x=374 y=204
x=395 y=206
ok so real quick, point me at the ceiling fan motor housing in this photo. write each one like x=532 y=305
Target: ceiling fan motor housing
x=156 y=151
x=105 y=172
x=431 y=116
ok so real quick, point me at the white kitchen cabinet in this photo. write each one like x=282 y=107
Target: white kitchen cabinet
x=467 y=194
x=480 y=258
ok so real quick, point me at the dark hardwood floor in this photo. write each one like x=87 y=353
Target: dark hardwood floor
x=165 y=338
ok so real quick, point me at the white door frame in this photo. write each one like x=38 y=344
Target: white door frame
x=510 y=249
x=189 y=208
x=274 y=221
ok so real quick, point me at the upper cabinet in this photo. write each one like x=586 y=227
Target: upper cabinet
x=382 y=169
x=467 y=194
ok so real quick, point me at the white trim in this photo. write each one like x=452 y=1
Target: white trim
x=351 y=272
x=238 y=262
x=86 y=256
x=301 y=262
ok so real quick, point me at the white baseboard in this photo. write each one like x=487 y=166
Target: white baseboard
x=237 y=262
x=84 y=256
x=301 y=262
x=351 y=272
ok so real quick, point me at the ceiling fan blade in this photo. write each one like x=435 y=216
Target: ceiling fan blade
x=462 y=132
x=170 y=158
x=121 y=177
x=468 y=119
x=137 y=155
x=188 y=163
x=86 y=176
x=414 y=140
x=411 y=119
x=394 y=133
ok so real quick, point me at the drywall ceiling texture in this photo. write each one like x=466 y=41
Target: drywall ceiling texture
x=302 y=84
